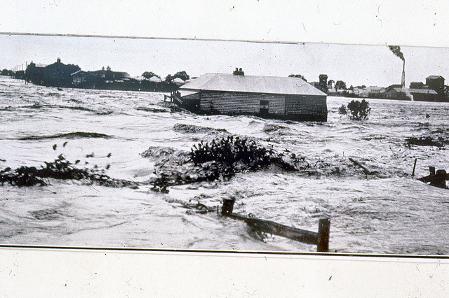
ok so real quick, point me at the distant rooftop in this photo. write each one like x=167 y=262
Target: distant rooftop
x=435 y=77
x=412 y=90
x=423 y=91
x=252 y=84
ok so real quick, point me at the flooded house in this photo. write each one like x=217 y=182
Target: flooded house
x=289 y=98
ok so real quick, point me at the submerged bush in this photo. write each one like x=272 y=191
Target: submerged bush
x=426 y=141
x=231 y=150
x=342 y=110
x=61 y=169
x=23 y=176
x=221 y=158
x=359 y=110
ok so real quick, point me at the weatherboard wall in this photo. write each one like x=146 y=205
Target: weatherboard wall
x=294 y=107
x=240 y=103
x=313 y=105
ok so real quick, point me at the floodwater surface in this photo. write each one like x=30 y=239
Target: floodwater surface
x=389 y=212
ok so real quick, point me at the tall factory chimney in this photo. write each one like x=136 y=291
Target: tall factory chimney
x=397 y=51
x=403 y=75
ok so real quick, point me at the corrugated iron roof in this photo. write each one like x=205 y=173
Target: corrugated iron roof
x=252 y=84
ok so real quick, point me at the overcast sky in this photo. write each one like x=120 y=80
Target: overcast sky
x=355 y=64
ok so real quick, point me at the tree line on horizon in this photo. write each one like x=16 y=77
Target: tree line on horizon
x=323 y=83
x=59 y=74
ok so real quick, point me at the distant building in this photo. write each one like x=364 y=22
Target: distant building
x=178 y=81
x=108 y=74
x=20 y=75
x=424 y=94
x=375 y=91
x=155 y=79
x=417 y=85
x=81 y=77
x=396 y=92
x=56 y=74
x=415 y=94
x=436 y=83
x=360 y=91
x=140 y=78
x=272 y=97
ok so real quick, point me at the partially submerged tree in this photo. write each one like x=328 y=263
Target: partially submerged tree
x=359 y=110
x=342 y=110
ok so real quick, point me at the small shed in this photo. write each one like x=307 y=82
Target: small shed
x=424 y=94
x=271 y=97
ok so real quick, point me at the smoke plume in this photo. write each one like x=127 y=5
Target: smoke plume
x=397 y=51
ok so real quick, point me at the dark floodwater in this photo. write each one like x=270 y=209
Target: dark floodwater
x=386 y=213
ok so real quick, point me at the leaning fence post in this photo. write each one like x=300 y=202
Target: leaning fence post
x=414 y=167
x=323 y=235
x=228 y=206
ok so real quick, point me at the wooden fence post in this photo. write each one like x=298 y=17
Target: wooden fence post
x=414 y=167
x=323 y=235
x=228 y=206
